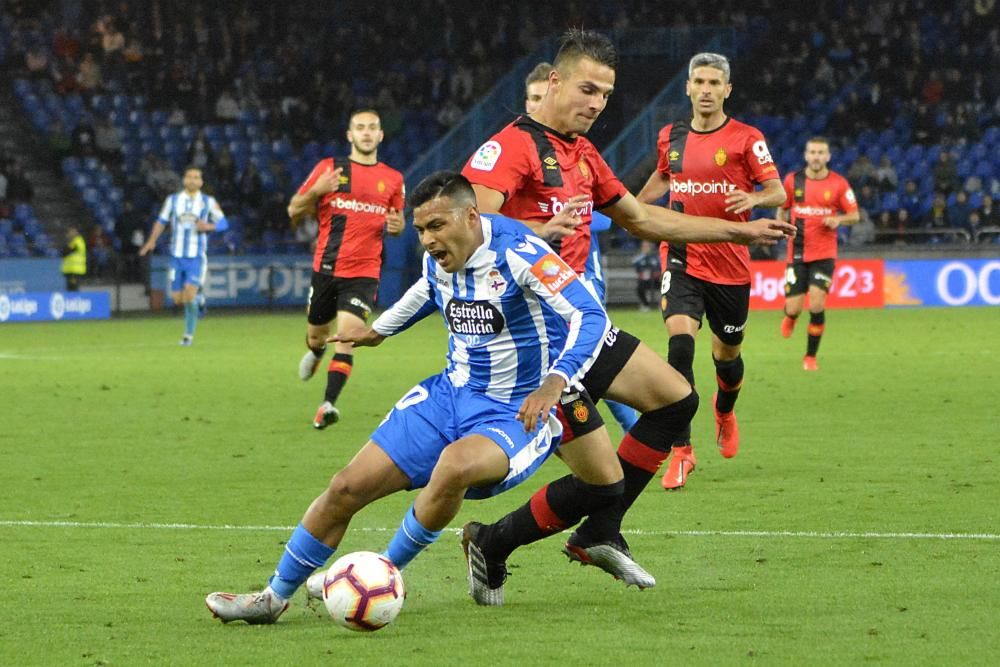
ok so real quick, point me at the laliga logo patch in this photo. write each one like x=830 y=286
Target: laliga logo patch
x=553 y=273
x=57 y=306
x=850 y=196
x=721 y=158
x=486 y=157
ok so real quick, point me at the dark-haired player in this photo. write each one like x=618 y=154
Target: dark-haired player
x=710 y=164
x=541 y=169
x=818 y=201
x=356 y=201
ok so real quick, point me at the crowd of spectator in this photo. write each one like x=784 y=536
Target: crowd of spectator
x=927 y=70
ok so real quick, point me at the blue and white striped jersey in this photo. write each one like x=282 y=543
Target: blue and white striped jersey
x=181 y=212
x=514 y=313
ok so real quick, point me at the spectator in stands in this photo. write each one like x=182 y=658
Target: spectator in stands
x=945 y=174
x=868 y=198
x=885 y=227
x=938 y=217
x=225 y=175
x=250 y=191
x=65 y=44
x=201 y=155
x=911 y=199
x=88 y=76
x=961 y=210
x=59 y=141
x=3 y=193
x=863 y=231
x=227 y=109
x=925 y=129
x=988 y=214
x=83 y=137
x=885 y=176
x=74 y=263
x=862 y=172
x=903 y=222
x=161 y=179
x=19 y=188
x=36 y=61
x=107 y=140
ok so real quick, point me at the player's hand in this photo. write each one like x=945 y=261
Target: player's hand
x=394 y=222
x=832 y=223
x=740 y=202
x=566 y=221
x=765 y=232
x=328 y=181
x=145 y=249
x=366 y=337
x=205 y=226
x=537 y=404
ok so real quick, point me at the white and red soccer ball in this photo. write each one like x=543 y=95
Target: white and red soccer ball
x=363 y=591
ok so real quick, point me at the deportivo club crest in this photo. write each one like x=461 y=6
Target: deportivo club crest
x=721 y=158
x=495 y=282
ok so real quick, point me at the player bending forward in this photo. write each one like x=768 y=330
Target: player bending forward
x=522 y=328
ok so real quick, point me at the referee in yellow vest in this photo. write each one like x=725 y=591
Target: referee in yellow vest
x=74 y=264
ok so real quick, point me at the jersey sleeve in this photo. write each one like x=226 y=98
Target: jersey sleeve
x=164 y=217
x=758 y=158
x=663 y=152
x=320 y=167
x=848 y=202
x=789 y=184
x=537 y=268
x=216 y=216
x=399 y=196
x=606 y=188
x=415 y=305
x=501 y=164
x=599 y=222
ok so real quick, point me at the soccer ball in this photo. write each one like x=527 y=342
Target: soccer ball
x=363 y=591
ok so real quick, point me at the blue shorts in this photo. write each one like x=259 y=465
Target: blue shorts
x=435 y=414
x=186 y=271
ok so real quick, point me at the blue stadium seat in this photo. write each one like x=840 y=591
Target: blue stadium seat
x=991 y=136
x=70 y=165
x=964 y=168
x=213 y=132
x=188 y=132
x=81 y=180
x=119 y=101
x=985 y=171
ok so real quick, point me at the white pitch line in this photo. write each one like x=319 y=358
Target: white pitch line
x=832 y=535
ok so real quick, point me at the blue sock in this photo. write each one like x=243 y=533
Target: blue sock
x=190 y=318
x=624 y=415
x=303 y=554
x=409 y=540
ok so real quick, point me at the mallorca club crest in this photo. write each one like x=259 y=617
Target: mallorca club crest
x=381 y=185
x=584 y=169
x=827 y=195
x=721 y=157
x=580 y=412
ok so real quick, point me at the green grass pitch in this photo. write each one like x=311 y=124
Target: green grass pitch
x=859 y=522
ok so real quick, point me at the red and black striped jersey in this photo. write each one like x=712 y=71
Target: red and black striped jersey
x=703 y=169
x=537 y=170
x=352 y=219
x=809 y=201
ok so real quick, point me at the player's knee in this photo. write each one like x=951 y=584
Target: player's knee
x=452 y=472
x=344 y=495
x=663 y=424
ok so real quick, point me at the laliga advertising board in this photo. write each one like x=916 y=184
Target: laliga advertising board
x=857 y=283
x=54 y=306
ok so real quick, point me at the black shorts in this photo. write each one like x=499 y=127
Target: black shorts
x=801 y=275
x=578 y=415
x=726 y=306
x=329 y=295
x=618 y=348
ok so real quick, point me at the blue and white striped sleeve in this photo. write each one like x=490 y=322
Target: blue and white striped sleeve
x=164 y=217
x=216 y=216
x=415 y=305
x=537 y=268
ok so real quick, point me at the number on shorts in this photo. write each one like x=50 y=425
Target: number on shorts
x=416 y=395
x=665 y=283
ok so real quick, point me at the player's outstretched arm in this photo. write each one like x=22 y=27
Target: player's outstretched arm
x=656 y=186
x=154 y=236
x=655 y=223
x=773 y=194
x=558 y=226
x=366 y=337
x=305 y=202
